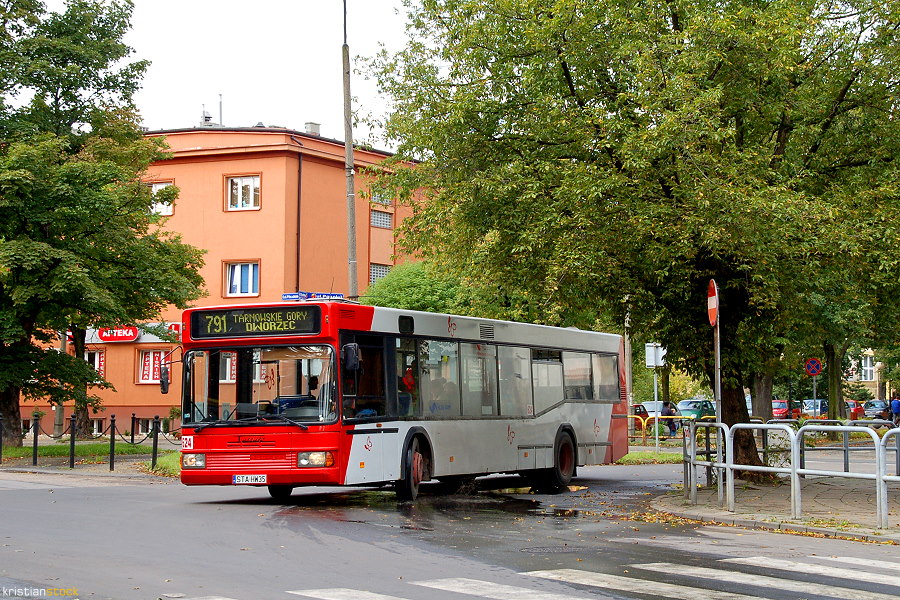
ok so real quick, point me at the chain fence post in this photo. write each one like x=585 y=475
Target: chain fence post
x=155 y=441
x=112 y=442
x=35 y=427
x=132 y=428
x=72 y=441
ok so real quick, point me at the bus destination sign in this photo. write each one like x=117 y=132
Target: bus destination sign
x=252 y=322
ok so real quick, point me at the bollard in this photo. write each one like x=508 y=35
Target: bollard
x=155 y=441
x=72 y=441
x=133 y=427
x=35 y=426
x=112 y=442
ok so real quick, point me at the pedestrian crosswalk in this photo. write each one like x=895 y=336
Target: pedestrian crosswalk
x=719 y=580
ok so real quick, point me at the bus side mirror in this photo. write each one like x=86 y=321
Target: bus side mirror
x=350 y=357
x=164 y=379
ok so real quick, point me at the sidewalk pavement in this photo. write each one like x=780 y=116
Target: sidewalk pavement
x=830 y=507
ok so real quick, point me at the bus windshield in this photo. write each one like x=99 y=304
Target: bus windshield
x=253 y=385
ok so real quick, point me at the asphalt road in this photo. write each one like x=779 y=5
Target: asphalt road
x=123 y=539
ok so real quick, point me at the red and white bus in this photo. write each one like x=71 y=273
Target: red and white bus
x=335 y=393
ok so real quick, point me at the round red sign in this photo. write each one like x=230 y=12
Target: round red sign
x=712 y=303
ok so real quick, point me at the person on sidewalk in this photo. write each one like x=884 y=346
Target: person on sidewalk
x=895 y=409
x=669 y=411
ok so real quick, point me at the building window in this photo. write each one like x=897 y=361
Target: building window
x=379 y=218
x=243 y=193
x=150 y=363
x=380 y=199
x=98 y=426
x=160 y=208
x=26 y=426
x=242 y=279
x=377 y=272
x=868 y=368
x=96 y=359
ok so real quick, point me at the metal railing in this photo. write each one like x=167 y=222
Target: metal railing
x=110 y=432
x=795 y=468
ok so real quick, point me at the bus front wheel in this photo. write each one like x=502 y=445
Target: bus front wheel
x=415 y=471
x=281 y=492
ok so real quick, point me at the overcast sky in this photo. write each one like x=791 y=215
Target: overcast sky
x=273 y=61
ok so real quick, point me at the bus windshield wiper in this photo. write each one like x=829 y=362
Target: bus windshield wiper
x=284 y=418
x=228 y=422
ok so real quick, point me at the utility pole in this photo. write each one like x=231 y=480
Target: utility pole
x=352 y=286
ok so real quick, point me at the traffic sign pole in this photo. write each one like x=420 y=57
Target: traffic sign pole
x=712 y=309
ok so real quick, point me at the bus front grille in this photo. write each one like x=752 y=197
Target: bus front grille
x=257 y=460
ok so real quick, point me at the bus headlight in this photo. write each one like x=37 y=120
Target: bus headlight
x=193 y=461
x=315 y=459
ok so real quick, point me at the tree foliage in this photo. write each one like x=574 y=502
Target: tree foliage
x=79 y=244
x=616 y=156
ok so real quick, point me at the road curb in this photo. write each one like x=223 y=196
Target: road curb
x=662 y=504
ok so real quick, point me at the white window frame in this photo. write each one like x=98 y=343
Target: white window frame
x=150 y=372
x=161 y=208
x=248 y=193
x=867 y=368
x=97 y=359
x=242 y=279
x=98 y=426
x=378 y=271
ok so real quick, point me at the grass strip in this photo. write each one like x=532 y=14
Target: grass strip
x=81 y=449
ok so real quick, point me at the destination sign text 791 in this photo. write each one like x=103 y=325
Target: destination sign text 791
x=253 y=322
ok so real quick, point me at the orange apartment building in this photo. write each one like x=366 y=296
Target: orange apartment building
x=269 y=207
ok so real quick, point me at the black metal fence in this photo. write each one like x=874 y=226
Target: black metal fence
x=111 y=432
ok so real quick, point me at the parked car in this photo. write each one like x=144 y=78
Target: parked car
x=697 y=408
x=855 y=410
x=654 y=406
x=639 y=410
x=780 y=409
x=877 y=409
x=815 y=408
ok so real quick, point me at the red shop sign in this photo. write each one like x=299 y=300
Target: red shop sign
x=118 y=334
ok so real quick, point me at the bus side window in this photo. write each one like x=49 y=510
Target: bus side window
x=365 y=392
x=407 y=373
x=515 y=381
x=479 y=379
x=606 y=378
x=439 y=378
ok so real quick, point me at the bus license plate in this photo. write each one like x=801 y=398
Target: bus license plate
x=238 y=479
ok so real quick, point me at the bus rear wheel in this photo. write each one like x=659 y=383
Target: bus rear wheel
x=280 y=492
x=558 y=477
x=415 y=471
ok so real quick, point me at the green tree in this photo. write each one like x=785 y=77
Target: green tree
x=413 y=286
x=616 y=156
x=79 y=244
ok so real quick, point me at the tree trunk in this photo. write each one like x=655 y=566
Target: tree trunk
x=734 y=410
x=762 y=395
x=834 y=356
x=12 y=417
x=82 y=416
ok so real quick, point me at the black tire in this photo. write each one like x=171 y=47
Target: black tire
x=415 y=471
x=280 y=492
x=557 y=478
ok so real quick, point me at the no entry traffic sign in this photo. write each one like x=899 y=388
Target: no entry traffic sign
x=712 y=303
x=813 y=367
